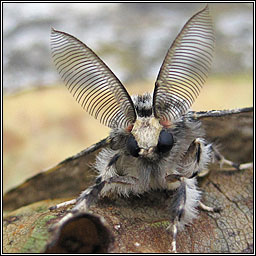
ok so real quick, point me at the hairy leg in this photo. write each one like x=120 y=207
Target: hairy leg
x=186 y=197
x=219 y=158
x=91 y=194
x=184 y=202
x=208 y=208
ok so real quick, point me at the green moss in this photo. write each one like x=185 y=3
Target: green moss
x=160 y=224
x=41 y=209
x=38 y=239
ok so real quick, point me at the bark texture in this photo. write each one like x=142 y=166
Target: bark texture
x=138 y=224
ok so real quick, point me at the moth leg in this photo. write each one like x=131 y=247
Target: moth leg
x=174 y=235
x=88 y=196
x=184 y=200
x=218 y=157
x=177 y=210
x=208 y=208
x=186 y=196
x=198 y=156
x=83 y=202
x=91 y=194
x=73 y=201
x=203 y=173
x=195 y=159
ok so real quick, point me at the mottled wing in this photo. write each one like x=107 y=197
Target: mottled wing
x=66 y=179
x=91 y=82
x=232 y=130
x=185 y=67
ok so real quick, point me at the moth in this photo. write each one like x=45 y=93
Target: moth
x=155 y=142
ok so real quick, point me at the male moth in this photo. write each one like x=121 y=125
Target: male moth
x=156 y=142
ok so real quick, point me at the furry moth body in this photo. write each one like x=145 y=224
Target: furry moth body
x=154 y=143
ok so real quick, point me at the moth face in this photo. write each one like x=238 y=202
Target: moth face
x=148 y=136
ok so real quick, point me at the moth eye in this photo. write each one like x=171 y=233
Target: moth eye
x=132 y=146
x=165 y=141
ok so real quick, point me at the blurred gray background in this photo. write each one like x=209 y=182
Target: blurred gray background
x=132 y=38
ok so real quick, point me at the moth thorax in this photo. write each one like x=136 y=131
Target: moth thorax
x=146 y=131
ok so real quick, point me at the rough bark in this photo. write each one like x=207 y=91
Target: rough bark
x=138 y=224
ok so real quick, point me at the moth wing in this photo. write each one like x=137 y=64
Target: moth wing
x=231 y=129
x=66 y=179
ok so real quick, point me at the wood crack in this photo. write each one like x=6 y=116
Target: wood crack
x=227 y=197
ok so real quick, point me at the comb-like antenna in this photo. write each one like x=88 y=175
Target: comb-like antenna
x=185 y=68
x=91 y=82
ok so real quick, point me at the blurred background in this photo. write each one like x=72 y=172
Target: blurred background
x=43 y=124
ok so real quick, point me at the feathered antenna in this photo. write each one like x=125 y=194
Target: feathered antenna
x=91 y=82
x=185 y=68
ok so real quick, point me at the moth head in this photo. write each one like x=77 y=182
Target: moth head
x=148 y=121
x=147 y=136
x=181 y=76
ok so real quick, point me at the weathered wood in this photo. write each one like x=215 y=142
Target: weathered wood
x=138 y=224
